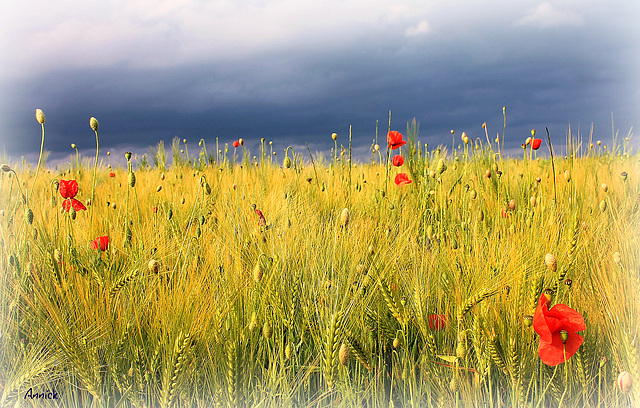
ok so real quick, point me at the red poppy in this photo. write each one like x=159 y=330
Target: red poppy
x=394 y=139
x=402 y=179
x=437 y=322
x=236 y=143
x=101 y=243
x=549 y=324
x=112 y=174
x=398 y=160
x=503 y=212
x=154 y=209
x=68 y=189
x=535 y=143
x=72 y=202
x=262 y=220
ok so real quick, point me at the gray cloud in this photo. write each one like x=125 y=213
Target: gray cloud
x=549 y=64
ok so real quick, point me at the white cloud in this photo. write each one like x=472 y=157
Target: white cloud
x=420 y=28
x=545 y=15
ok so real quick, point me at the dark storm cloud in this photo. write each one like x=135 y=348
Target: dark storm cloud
x=554 y=77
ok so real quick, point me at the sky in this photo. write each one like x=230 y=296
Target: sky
x=295 y=71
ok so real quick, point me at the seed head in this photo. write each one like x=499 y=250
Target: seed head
x=29 y=216
x=93 y=122
x=564 y=335
x=334 y=136
x=623 y=175
x=127 y=156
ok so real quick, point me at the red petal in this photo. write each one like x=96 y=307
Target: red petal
x=77 y=205
x=68 y=188
x=437 y=322
x=104 y=243
x=402 y=179
x=553 y=353
x=563 y=317
x=94 y=244
x=398 y=160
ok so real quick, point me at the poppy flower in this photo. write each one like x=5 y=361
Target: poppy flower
x=394 y=139
x=68 y=189
x=154 y=209
x=236 y=143
x=557 y=329
x=112 y=174
x=402 y=179
x=437 y=322
x=535 y=143
x=101 y=243
x=262 y=220
x=398 y=160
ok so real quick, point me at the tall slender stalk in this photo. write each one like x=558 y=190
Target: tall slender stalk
x=93 y=122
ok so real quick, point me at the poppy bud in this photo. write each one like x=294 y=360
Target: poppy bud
x=286 y=162
x=512 y=205
x=604 y=187
x=267 y=330
x=567 y=175
x=288 y=351
x=169 y=214
x=616 y=257
x=487 y=173
x=6 y=168
x=132 y=179
x=57 y=256
x=396 y=343
x=258 y=272
x=159 y=188
x=603 y=206
x=473 y=194
x=551 y=262
x=343 y=354
x=93 y=122
x=441 y=167
x=625 y=382
x=533 y=200
x=334 y=136
x=344 y=217
x=72 y=213
x=162 y=176
x=603 y=361
x=528 y=320
x=253 y=323
x=40 y=116
x=623 y=175
x=127 y=156
x=153 y=266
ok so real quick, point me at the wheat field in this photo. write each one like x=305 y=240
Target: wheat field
x=234 y=280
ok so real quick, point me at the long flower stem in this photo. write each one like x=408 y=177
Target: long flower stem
x=38 y=167
x=95 y=174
